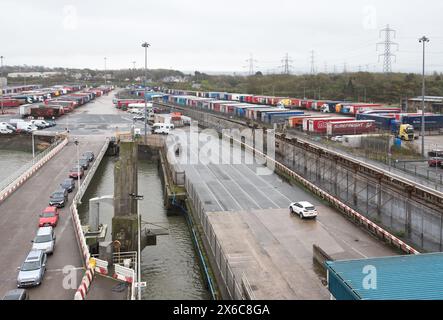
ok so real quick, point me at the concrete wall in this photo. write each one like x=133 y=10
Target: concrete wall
x=23 y=142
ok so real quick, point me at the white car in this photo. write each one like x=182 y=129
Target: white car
x=304 y=209
x=337 y=139
x=5 y=131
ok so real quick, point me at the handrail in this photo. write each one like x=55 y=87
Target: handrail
x=15 y=175
x=20 y=176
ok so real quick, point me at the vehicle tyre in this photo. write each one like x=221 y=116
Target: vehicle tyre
x=291 y=211
x=301 y=215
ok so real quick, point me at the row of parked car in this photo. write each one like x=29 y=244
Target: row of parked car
x=22 y=126
x=32 y=271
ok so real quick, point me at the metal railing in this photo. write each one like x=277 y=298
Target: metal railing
x=11 y=179
x=91 y=173
x=232 y=283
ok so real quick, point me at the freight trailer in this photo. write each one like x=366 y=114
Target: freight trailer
x=350 y=127
x=382 y=121
x=318 y=125
x=279 y=116
x=297 y=121
x=46 y=111
x=432 y=122
x=11 y=103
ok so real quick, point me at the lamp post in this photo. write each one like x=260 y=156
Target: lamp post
x=423 y=40
x=78 y=166
x=105 y=71
x=1 y=78
x=33 y=148
x=146 y=46
x=138 y=198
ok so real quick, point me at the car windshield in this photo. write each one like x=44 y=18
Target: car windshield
x=30 y=266
x=12 y=296
x=48 y=214
x=43 y=238
x=309 y=208
x=58 y=195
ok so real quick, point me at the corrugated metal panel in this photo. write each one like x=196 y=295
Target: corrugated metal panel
x=413 y=277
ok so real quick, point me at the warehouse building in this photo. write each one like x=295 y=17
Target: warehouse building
x=412 y=277
x=432 y=104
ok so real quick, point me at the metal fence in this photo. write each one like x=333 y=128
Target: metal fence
x=423 y=171
x=5 y=183
x=231 y=281
x=91 y=172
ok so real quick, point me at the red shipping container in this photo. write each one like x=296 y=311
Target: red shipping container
x=350 y=127
x=319 y=125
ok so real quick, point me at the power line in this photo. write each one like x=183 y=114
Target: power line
x=251 y=62
x=312 y=62
x=387 y=43
x=286 y=64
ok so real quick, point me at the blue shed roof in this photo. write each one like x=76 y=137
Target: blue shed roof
x=412 y=277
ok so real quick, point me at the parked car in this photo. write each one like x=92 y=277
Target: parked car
x=68 y=184
x=304 y=209
x=139 y=117
x=75 y=171
x=337 y=139
x=59 y=198
x=435 y=162
x=5 y=131
x=16 y=294
x=44 y=240
x=84 y=163
x=33 y=270
x=89 y=155
x=49 y=217
x=51 y=123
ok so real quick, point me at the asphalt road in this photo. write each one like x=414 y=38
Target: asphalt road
x=19 y=216
x=90 y=124
x=250 y=215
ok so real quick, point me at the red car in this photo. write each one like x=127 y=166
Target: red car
x=435 y=162
x=49 y=217
x=74 y=172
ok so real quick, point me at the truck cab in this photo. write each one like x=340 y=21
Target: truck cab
x=406 y=132
x=325 y=108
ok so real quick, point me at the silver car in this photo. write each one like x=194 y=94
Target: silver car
x=32 y=270
x=44 y=240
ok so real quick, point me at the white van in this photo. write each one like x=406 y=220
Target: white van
x=26 y=126
x=162 y=128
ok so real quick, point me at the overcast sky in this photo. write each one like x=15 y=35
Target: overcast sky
x=209 y=35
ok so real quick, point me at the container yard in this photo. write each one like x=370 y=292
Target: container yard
x=279 y=110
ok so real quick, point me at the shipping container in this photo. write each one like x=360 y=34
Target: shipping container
x=382 y=121
x=318 y=125
x=350 y=127
x=297 y=121
x=432 y=122
x=279 y=116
